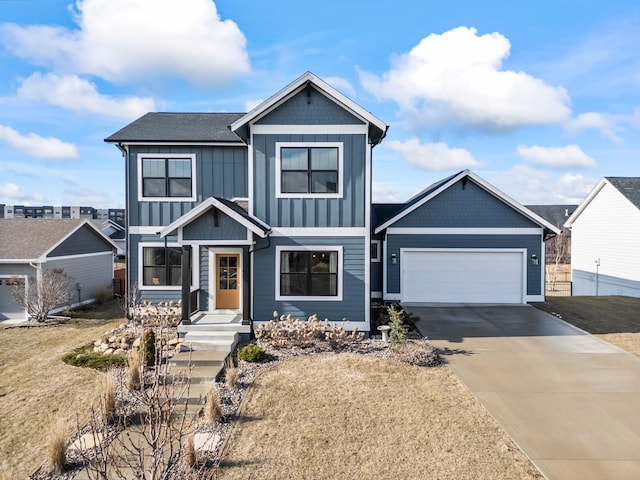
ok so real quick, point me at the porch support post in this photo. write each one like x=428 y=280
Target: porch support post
x=186 y=284
x=246 y=286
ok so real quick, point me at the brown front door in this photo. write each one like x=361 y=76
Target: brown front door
x=227 y=281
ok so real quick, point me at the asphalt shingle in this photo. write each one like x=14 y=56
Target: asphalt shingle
x=30 y=238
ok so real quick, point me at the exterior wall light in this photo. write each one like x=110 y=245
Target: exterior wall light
x=534 y=259
x=394 y=259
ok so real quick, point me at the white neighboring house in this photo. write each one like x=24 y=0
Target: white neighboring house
x=605 y=232
x=76 y=246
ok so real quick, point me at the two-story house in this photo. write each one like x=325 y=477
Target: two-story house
x=244 y=214
x=267 y=211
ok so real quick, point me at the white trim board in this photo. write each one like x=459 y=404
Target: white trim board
x=462 y=231
x=350 y=129
x=318 y=232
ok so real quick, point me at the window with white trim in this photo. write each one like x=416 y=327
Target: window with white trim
x=166 y=176
x=161 y=266
x=309 y=273
x=309 y=170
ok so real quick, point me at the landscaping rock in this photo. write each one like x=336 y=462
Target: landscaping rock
x=108 y=351
x=173 y=342
x=136 y=342
x=113 y=338
x=119 y=351
x=104 y=346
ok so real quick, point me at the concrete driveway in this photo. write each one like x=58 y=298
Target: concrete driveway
x=568 y=399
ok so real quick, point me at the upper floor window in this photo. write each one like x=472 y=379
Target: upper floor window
x=309 y=170
x=166 y=177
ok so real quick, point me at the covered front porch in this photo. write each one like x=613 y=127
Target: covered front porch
x=216 y=284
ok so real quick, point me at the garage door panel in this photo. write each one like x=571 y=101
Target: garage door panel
x=9 y=309
x=462 y=276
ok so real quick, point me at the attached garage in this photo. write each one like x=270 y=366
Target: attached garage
x=9 y=309
x=461 y=240
x=463 y=276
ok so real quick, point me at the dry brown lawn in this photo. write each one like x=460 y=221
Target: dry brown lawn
x=614 y=319
x=352 y=416
x=36 y=387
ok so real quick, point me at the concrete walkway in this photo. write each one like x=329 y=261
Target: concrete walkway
x=568 y=399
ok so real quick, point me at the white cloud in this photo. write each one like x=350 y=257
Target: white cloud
x=13 y=192
x=74 y=93
x=556 y=157
x=530 y=186
x=385 y=193
x=457 y=76
x=121 y=40
x=85 y=197
x=595 y=121
x=37 y=146
x=342 y=85
x=432 y=156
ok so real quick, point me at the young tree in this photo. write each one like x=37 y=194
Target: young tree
x=42 y=293
x=558 y=252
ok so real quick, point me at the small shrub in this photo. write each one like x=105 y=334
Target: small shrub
x=133 y=371
x=108 y=399
x=251 y=353
x=149 y=348
x=190 y=458
x=212 y=409
x=419 y=353
x=84 y=356
x=398 y=332
x=57 y=447
x=231 y=377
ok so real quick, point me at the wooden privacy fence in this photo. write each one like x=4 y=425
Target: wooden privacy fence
x=119 y=281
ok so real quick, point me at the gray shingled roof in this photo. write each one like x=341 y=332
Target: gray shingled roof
x=555 y=214
x=30 y=238
x=166 y=127
x=628 y=186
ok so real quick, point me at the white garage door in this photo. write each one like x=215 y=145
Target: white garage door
x=462 y=276
x=9 y=310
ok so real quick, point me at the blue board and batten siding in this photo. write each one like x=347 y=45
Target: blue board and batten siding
x=347 y=211
x=221 y=171
x=353 y=282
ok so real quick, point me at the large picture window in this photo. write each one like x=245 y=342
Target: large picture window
x=308 y=273
x=166 y=177
x=161 y=266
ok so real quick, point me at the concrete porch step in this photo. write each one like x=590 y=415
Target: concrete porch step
x=214 y=327
x=198 y=358
x=213 y=345
x=210 y=334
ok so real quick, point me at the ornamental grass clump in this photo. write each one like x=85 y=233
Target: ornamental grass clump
x=107 y=399
x=231 y=377
x=212 y=410
x=133 y=371
x=57 y=447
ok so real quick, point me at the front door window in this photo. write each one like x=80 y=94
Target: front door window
x=227 y=281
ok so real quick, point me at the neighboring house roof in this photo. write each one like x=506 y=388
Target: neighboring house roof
x=227 y=207
x=629 y=187
x=381 y=212
x=377 y=130
x=556 y=214
x=163 y=127
x=435 y=189
x=32 y=239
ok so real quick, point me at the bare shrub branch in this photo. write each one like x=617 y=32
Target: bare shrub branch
x=41 y=294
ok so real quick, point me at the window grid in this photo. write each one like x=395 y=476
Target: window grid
x=309 y=170
x=166 y=177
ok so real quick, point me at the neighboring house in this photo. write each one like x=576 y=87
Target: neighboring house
x=75 y=246
x=113 y=230
x=554 y=214
x=461 y=240
x=251 y=213
x=605 y=233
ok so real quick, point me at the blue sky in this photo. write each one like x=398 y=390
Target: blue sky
x=542 y=98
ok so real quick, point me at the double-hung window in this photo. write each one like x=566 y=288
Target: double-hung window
x=161 y=266
x=309 y=169
x=313 y=273
x=170 y=177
